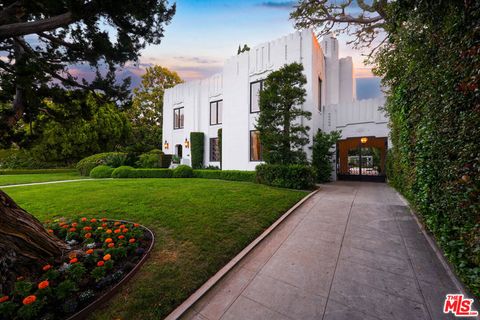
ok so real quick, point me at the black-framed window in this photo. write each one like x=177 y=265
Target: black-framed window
x=255 y=146
x=319 y=94
x=216 y=111
x=178 y=118
x=255 y=88
x=214 y=150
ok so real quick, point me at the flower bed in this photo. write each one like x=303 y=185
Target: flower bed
x=104 y=254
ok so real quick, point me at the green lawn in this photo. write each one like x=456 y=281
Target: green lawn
x=38 y=177
x=199 y=224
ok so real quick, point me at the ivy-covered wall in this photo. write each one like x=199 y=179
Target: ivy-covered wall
x=432 y=71
x=197 y=147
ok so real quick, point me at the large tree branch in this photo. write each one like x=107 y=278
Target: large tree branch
x=24 y=28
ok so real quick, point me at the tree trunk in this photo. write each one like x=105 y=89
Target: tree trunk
x=24 y=243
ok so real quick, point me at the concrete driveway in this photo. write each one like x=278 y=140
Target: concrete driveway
x=352 y=251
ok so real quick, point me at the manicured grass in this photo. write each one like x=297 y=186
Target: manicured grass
x=199 y=224
x=38 y=177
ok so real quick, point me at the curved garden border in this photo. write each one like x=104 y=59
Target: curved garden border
x=83 y=313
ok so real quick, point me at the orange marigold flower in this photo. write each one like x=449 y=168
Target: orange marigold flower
x=125 y=230
x=65 y=226
x=29 y=299
x=74 y=260
x=117 y=231
x=93 y=220
x=72 y=229
x=47 y=267
x=111 y=245
x=104 y=225
x=84 y=219
x=88 y=235
x=117 y=223
x=74 y=224
x=108 y=240
x=4 y=298
x=89 y=251
x=43 y=284
x=104 y=219
x=136 y=225
x=121 y=237
x=132 y=240
x=108 y=231
x=122 y=226
x=107 y=257
x=50 y=231
x=100 y=263
x=87 y=228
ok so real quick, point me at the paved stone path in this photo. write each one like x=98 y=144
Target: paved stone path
x=352 y=251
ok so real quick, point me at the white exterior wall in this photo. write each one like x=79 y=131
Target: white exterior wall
x=338 y=109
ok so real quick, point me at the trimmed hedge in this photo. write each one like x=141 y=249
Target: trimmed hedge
x=293 y=176
x=183 y=171
x=152 y=173
x=87 y=164
x=197 y=148
x=233 y=175
x=35 y=171
x=101 y=172
x=123 y=172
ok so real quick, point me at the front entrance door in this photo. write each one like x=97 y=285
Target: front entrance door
x=178 y=151
x=362 y=159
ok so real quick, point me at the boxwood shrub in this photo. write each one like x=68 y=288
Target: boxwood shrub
x=183 y=171
x=286 y=176
x=233 y=175
x=35 y=171
x=123 y=172
x=101 y=172
x=87 y=164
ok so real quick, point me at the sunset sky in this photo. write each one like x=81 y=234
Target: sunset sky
x=205 y=33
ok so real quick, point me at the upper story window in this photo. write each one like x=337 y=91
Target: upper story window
x=216 y=111
x=319 y=94
x=255 y=88
x=178 y=118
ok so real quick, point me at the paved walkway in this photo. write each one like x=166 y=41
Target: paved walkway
x=352 y=251
x=46 y=182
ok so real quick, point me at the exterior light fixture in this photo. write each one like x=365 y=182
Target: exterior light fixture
x=363 y=140
x=186 y=143
x=165 y=145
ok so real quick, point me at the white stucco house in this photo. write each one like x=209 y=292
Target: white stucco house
x=229 y=100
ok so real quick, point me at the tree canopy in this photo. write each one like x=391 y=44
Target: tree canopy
x=146 y=113
x=43 y=41
x=283 y=136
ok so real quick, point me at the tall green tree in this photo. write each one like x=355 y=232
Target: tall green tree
x=146 y=113
x=280 y=122
x=41 y=41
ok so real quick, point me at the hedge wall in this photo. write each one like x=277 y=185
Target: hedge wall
x=434 y=109
x=293 y=176
x=197 y=148
x=234 y=175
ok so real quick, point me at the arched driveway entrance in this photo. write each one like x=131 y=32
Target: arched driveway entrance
x=362 y=158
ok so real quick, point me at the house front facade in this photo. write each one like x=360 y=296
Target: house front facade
x=229 y=101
